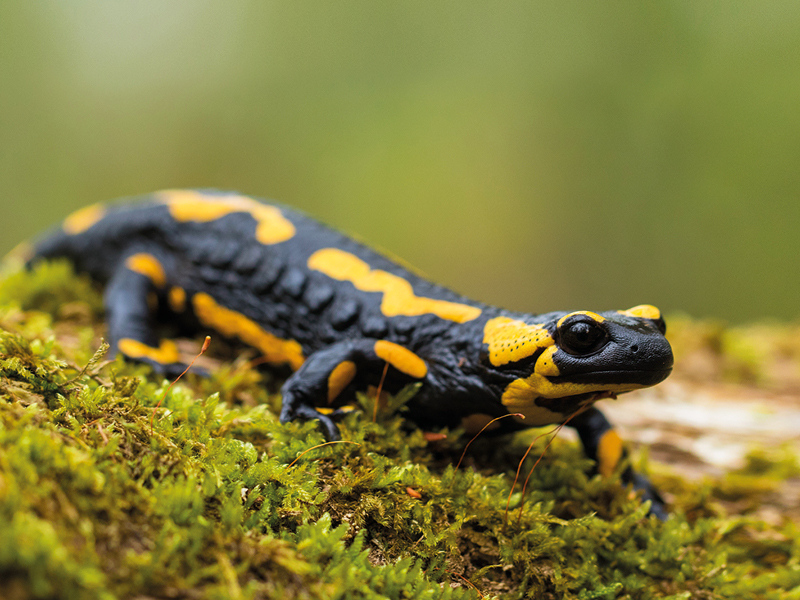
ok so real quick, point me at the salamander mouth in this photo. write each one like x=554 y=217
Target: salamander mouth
x=638 y=378
x=567 y=405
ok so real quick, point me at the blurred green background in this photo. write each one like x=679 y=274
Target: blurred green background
x=538 y=156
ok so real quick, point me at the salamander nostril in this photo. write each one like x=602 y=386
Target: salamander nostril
x=634 y=348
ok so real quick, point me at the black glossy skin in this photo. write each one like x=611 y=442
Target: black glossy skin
x=333 y=321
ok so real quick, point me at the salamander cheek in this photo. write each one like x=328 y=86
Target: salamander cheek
x=546 y=365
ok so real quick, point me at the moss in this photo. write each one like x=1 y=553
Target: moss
x=218 y=500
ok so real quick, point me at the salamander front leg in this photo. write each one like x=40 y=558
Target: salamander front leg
x=326 y=374
x=130 y=316
x=603 y=444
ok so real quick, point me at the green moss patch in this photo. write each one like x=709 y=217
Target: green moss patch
x=217 y=499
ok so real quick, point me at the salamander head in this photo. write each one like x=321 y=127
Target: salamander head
x=566 y=361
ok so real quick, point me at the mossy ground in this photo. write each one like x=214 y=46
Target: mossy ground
x=217 y=499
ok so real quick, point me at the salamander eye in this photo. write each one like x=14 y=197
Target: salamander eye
x=581 y=337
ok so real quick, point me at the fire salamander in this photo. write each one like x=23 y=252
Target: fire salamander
x=336 y=312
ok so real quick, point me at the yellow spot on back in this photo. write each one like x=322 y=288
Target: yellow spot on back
x=233 y=324
x=588 y=313
x=609 y=453
x=188 y=205
x=398 y=295
x=166 y=353
x=83 y=219
x=177 y=299
x=402 y=359
x=643 y=311
x=510 y=340
x=147 y=265
x=340 y=378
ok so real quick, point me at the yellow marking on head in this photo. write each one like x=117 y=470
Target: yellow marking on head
x=166 y=353
x=340 y=378
x=147 y=265
x=520 y=395
x=233 y=324
x=177 y=299
x=643 y=311
x=402 y=359
x=188 y=205
x=609 y=453
x=527 y=389
x=588 y=313
x=510 y=340
x=83 y=219
x=398 y=295
x=545 y=365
